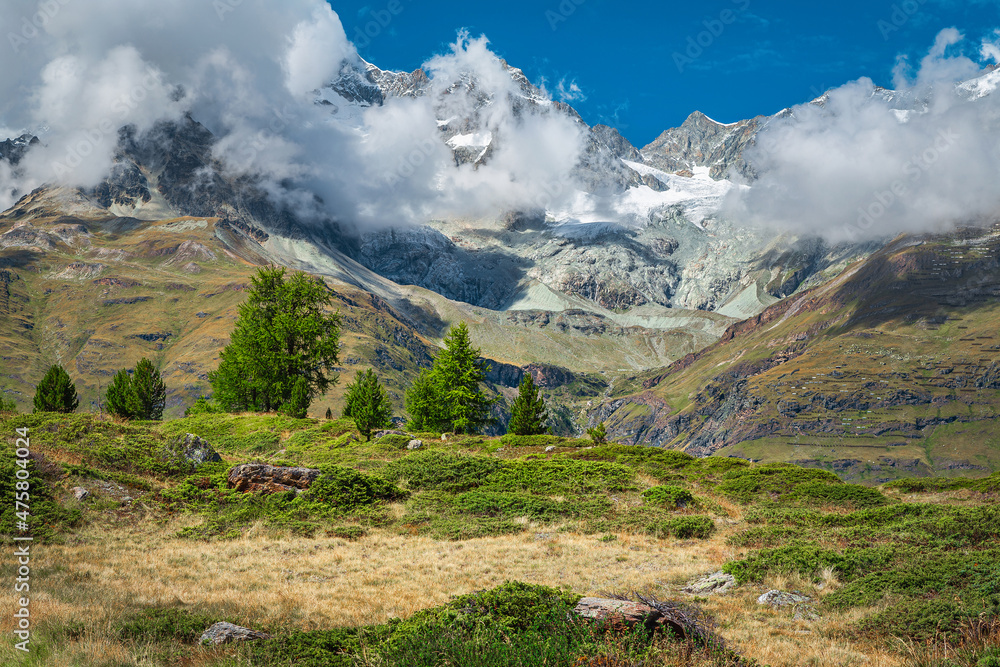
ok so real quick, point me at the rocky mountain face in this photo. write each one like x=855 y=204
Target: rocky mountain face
x=702 y=142
x=644 y=235
x=663 y=254
x=889 y=369
x=12 y=150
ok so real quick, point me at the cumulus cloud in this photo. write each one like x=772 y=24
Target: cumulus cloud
x=248 y=70
x=871 y=163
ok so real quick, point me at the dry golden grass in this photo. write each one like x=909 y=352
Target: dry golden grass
x=314 y=583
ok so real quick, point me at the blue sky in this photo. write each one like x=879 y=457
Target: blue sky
x=644 y=66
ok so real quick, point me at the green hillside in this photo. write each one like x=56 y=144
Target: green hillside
x=890 y=370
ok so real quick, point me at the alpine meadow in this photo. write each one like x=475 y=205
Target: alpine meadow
x=309 y=363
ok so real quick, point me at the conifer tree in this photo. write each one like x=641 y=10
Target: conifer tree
x=297 y=404
x=120 y=399
x=449 y=397
x=423 y=404
x=598 y=434
x=282 y=334
x=368 y=404
x=56 y=392
x=150 y=391
x=137 y=395
x=528 y=414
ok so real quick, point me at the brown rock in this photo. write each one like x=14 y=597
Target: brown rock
x=630 y=613
x=260 y=477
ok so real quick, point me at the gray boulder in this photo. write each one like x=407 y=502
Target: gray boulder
x=377 y=435
x=194 y=450
x=80 y=493
x=225 y=633
x=717 y=582
x=782 y=599
x=414 y=445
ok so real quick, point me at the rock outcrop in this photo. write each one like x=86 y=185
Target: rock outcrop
x=263 y=478
x=225 y=633
x=194 y=450
x=717 y=582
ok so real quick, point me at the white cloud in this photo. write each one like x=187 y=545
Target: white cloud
x=318 y=46
x=862 y=166
x=246 y=70
x=570 y=92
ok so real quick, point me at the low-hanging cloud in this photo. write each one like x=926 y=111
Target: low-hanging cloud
x=250 y=75
x=869 y=163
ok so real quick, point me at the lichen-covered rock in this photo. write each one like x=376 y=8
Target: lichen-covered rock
x=194 y=450
x=262 y=478
x=80 y=493
x=717 y=582
x=224 y=633
x=414 y=445
x=777 y=598
x=381 y=434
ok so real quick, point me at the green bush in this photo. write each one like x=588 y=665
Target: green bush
x=349 y=489
x=663 y=464
x=686 y=527
x=441 y=471
x=720 y=465
x=989 y=484
x=774 y=480
x=47 y=518
x=971 y=575
x=598 y=434
x=560 y=476
x=509 y=505
x=845 y=495
x=394 y=441
x=511 y=607
x=808 y=559
x=511 y=440
x=668 y=496
x=919 y=620
x=159 y=624
x=202 y=407
x=317 y=648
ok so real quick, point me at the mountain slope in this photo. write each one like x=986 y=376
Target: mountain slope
x=890 y=369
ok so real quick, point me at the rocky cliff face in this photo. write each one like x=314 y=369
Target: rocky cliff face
x=12 y=150
x=889 y=369
x=702 y=142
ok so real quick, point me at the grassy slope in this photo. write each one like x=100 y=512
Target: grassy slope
x=886 y=371
x=100 y=299
x=97 y=294
x=476 y=512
